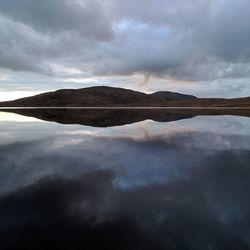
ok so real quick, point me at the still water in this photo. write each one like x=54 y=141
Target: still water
x=148 y=185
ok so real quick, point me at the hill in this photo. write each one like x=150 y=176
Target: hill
x=168 y=95
x=118 y=97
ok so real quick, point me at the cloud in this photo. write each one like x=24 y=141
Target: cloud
x=173 y=39
x=181 y=40
x=86 y=17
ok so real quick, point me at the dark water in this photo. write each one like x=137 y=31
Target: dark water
x=172 y=185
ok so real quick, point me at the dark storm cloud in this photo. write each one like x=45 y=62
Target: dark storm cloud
x=183 y=40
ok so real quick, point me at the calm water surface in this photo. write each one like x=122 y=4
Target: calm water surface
x=149 y=185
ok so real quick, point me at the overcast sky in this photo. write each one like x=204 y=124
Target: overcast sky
x=199 y=47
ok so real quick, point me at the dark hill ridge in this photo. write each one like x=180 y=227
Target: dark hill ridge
x=95 y=96
x=172 y=96
x=99 y=96
x=118 y=97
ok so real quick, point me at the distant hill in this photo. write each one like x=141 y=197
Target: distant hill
x=168 y=95
x=118 y=97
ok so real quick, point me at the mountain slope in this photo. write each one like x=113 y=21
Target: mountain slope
x=167 y=95
x=118 y=97
x=99 y=96
x=93 y=96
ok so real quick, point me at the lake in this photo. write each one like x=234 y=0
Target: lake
x=177 y=183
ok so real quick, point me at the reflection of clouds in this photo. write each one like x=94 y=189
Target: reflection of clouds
x=211 y=142
x=77 y=132
x=220 y=128
x=146 y=184
x=208 y=210
x=136 y=161
x=233 y=125
x=11 y=117
x=62 y=157
x=145 y=132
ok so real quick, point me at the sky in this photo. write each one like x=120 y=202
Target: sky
x=196 y=47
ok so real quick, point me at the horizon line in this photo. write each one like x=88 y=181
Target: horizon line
x=132 y=108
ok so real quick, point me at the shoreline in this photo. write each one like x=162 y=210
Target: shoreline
x=131 y=108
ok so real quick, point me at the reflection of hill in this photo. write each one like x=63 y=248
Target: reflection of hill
x=117 y=117
x=99 y=118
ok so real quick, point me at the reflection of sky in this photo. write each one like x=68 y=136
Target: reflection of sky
x=166 y=176
x=208 y=132
x=142 y=153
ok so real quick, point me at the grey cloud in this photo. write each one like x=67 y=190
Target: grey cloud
x=25 y=49
x=199 y=40
x=16 y=43
x=183 y=40
x=180 y=40
x=216 y=26
x=61 y=15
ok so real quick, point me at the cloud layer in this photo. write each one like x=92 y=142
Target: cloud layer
x=180 y=40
